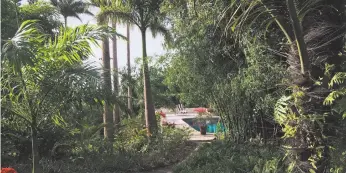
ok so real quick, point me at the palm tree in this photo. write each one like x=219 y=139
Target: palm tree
x=306 y=46
x=145 y=14
x=44 y=70
x=107 y=113
x=71 y=8
x=108 y=118
x=129 y=89
x=116 y=111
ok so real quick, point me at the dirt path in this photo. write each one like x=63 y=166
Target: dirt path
x=168 y=169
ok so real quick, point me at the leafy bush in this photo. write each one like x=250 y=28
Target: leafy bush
x=132 y=152
x=338 y=149
x=233 y=158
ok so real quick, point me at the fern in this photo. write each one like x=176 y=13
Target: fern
x=281 y=109
x=337 y=79
x=330 y=99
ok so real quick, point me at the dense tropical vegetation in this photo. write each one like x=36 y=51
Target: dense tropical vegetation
x=273 y=70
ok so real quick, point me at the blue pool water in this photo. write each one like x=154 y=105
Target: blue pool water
x=211 y=125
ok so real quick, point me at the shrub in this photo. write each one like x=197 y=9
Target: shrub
x=132 y=152
x=233 y=158
x=338 y=149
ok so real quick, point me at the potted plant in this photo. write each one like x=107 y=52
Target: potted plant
x=202 y=119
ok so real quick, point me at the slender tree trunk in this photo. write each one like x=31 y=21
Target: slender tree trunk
x=129 y=88
x=107 y=114
x=65 y=20
x=298 y=32
x=36 y=168
x=150 y=118
x=116 y=111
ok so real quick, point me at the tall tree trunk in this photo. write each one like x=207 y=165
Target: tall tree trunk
x=116 y=111
x=150 y=119
x=107 y=114
x=36 y=168
x=129 y=88
x=65 y=21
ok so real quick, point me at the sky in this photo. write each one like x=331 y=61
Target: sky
x=154 y=45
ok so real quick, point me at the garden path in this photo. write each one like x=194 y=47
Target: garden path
x=195 y=136
x=168 y=169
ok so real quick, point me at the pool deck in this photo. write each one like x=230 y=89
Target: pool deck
x=177 y=119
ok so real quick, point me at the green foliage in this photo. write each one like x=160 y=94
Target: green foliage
x=71 y=8
x=132 y=151
x=132 y=135
x=240 y=78
x=228 y=55
x=9 y=19
x=13 y=14
x=336 y=96
x=198 y=58
x=302 y=115
x=163 y=97
x=43 y=78
x=233 y=158
x=46 y=14
x=338 y=149
x=219 y=134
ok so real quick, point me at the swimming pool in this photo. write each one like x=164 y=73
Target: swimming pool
x=211 y=124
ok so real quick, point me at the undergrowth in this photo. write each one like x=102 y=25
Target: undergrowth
x=233 y=158
x=132 y=151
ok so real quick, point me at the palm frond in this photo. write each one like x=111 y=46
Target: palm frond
x=72 y=8
x=73 y=43
x=76 y=16
x=20 y=50
x=156 y=28
x=80 y=7
x=54 y=2
x=89 y=13
x=73 y=85
x=121 y=16
x=244 y=14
